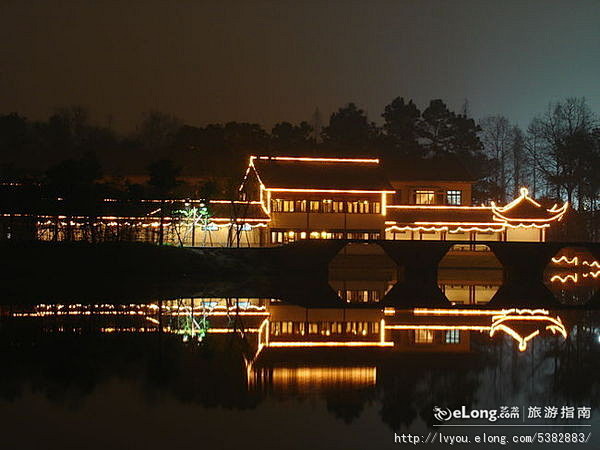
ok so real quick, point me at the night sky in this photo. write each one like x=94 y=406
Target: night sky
x=265 y=61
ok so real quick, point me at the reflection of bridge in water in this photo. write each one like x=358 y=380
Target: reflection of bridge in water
x=276 y=325
x=295 y=347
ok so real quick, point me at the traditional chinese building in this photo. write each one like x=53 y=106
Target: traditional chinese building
x=284 y=199
x=344 y=198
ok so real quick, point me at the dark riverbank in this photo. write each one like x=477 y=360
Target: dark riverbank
x=67 y=271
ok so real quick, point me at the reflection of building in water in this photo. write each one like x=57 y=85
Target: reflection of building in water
x=362 y=273
x=274 y=325
x=580 y=269
x=306 y=379
x=295 y=326
x=469 y=287
x=573 y=276
x=520 y=324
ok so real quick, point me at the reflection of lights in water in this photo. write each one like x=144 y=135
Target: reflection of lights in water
x=574 y=277
x=565 y=279
x=331 y=344
x=509 y=321
x=439 y=327
x=315 y=377
x=516 y=315
x=458 y=312
x=502 y=320
x=580 y=271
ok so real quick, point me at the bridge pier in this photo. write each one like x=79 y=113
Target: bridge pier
x=524 y=264
x=303 y=267
x=419 y=261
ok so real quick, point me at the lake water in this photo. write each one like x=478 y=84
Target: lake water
x=271 y=373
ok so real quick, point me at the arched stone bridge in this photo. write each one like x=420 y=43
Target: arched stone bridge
x=304 y=266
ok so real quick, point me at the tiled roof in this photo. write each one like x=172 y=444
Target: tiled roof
x=525 y=209
x=321 y=173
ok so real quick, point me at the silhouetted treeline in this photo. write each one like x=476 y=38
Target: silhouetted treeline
x=555 y=156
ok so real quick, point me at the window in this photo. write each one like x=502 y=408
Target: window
x=279 y=205
x=338 y=206
x=276 y=328
x=424 y=197
x=285 y=236
x=363 y=235
x=315 y=205
x=327 y=206
x=452 y=337
x=300 y=206
x=276 y=205
x=359 y=296
x=288 y=205
x=286 y=328
x=454 y=197
x=423 y=336
x=362 y=207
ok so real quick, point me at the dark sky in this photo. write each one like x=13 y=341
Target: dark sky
x=267 y=61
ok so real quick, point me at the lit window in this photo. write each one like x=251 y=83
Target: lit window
x=423 y=336
x=327 y=206
x=338 y=206
x=454 y=197
x=286 y=328
x=288 y=206
x=276 y=205
x=314 y=205
x=300 y=206
x=276 y=328
x=452 y=337
x=424 y=197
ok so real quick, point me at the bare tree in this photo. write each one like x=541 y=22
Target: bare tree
x=497 y=135
x=561 y=141
x=518 y=159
